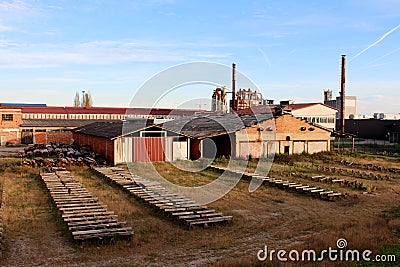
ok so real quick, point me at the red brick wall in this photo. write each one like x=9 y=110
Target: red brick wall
x=59 y=137
x=39 y=138
x=290 y=124
x=99 y=145
x=12 y=137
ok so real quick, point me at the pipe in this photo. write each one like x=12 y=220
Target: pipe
x=342 y=94
x=233 y=101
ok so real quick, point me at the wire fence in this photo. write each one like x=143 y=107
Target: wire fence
x=371 y=146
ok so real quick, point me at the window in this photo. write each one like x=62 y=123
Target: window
x=7 y=117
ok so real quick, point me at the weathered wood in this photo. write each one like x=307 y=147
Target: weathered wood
x=84 y=215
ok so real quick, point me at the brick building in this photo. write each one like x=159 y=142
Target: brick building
x=10 y=131
x=27 y=123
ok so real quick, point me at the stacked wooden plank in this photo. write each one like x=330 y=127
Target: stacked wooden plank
x=318 y=192
x=85 y=216
x=1 y=217
x=171 y=204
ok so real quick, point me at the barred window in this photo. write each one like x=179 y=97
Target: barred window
x=7 y=117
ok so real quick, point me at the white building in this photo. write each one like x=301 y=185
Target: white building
x=317 y=113
x=387 y=116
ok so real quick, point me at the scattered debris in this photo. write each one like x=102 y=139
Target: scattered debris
x=59 y=155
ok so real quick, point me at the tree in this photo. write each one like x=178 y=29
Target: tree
x=77 y=101
x=87 y=100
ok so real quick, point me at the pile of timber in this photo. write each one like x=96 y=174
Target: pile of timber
x=357 y=185
x=1 y=219
x=58 y=162
x=171 y=204
x=85 y=216
x=58 y=155
x=318 y=192
x=369 y=166
x=353 y=173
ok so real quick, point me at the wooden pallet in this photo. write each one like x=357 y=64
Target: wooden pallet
x=86 y=217
x=318 y=192
x=179 y=207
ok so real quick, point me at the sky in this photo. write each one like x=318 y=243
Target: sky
x=49 y=50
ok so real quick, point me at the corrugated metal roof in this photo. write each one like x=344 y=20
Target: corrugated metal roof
x=54 y=123
x=203 y=126
x=108 y=110
x=113 y=129
x=18 y=105
x=197 y=126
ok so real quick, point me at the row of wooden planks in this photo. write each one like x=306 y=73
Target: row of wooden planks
x=171 y=204
x=85 y=216
x=314 y=191
x=1 y=218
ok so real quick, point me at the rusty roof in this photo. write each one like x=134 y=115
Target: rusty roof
x=61 y=123
x=203 y=126
x=108 y=110
x=114 y=129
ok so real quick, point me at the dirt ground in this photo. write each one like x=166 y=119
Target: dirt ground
x=36 y=236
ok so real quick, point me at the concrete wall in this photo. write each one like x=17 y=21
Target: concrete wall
x=285 y=134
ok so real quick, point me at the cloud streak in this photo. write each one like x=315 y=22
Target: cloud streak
x=375 y=43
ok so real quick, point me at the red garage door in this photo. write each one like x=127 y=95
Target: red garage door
x=147 y=149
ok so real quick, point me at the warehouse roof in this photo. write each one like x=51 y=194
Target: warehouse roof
x=54 y=123
x=113 y=129
x=203 y=126
x=107 y=110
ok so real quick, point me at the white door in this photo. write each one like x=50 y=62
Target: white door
x=179 y=150
x=3 y=140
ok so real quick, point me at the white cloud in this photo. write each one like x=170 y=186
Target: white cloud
x=13 y=5
x=18 y=55
x=4 y=28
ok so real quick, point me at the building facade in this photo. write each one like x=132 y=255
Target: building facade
x=29 y=124
x=350 y=103
x=317 y=113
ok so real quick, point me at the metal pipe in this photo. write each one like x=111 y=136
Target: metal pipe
x=233 y=101
x=342 y=94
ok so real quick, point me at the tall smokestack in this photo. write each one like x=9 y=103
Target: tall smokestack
x=233 y=101
x=342 y=94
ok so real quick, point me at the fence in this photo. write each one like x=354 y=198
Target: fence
x=372 y=146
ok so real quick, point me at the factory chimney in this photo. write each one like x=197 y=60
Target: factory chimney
x=342 y=94
x=233 y=101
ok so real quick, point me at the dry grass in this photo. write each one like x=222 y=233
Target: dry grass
x=268 y=216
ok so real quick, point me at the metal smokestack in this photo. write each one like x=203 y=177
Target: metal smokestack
x=233 y=101
x=342 y=94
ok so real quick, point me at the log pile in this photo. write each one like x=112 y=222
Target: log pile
x=58 y=155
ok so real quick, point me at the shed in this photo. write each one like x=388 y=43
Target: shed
x=258 y=135
x=132 y=140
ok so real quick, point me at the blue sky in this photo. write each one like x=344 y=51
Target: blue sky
x=290 y=49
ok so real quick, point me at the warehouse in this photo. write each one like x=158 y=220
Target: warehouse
x=205 y=136
x=258 y=135
x=38 y=123
x=131 y=141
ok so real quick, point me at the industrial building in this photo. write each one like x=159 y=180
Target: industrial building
x=197 y=136
x=350 y=106
x=132 y=140
x=28 y=123
x=374 y=129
